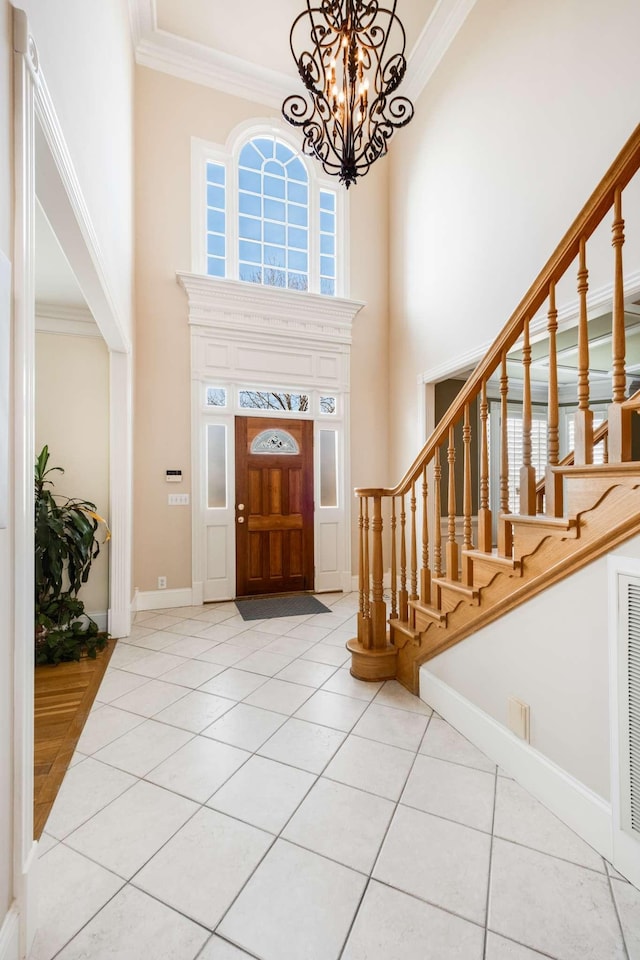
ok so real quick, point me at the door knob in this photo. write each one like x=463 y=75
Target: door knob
x=241 y=506
x=240 y=519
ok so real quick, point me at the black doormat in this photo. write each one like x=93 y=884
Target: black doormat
x=265 y=608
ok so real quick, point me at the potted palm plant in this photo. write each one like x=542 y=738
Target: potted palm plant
x=66 y=544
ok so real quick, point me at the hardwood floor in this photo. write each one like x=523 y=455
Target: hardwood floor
x=63 y=698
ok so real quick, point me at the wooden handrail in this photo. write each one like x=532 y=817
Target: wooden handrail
x=600 y=202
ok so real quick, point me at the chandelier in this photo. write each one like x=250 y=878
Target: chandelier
x=343 y=52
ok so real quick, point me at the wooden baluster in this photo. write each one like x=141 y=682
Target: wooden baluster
x=437 y=539
x=485 y=536
x=619 y=418
x=553 y=480
x=467 y=542
x=378 y=605
x=452 y=545
x=527 y=471
x=425 y=573
x=403 y=596
x=583 y=434
x=605 y=451
x=414 y=546
x=505 y=536
x=394 y=571
x=367 y=585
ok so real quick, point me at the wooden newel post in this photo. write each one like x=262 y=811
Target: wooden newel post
x=403 y=593
x=619 y=416
x=363 y=581
x=378 y=606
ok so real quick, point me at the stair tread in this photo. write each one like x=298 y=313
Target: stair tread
x=631 y=467
x=493 y=557
x=457 y=587
x=428 y=610
x=404 y=627
x=542 y=521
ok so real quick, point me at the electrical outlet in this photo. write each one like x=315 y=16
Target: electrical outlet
x=178 y=499
x=162 y=583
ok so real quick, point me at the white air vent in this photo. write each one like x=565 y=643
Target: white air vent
x=629 y=703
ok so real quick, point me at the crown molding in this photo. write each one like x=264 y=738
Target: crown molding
x=250 y=308
x=66 y=320
x=198 y=63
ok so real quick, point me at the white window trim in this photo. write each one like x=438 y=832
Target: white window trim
x=229 y=155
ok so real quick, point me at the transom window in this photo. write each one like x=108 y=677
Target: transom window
x=267 y=217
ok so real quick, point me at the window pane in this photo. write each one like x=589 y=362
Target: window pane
x=274 y=210
x=216 y=466
x=250 y=204
x=215 y=173
x=272 y=166
x=298 y=215
x=297 y=281
x=274 y=400
x=297 y=261
x=297 y=238
x=215 y=245
x=250 y=273
x=285 y=153
x=250 y=229
x=327 y=266
x=274 y=278
x=250 y=251
x=296 y=170
x=328 y=469
x=216 y=397
x=215 y=196
x=275 y=233
x=327 y=244
x=273 y=187
x=297 y=192
x=327 y=222
x=274 y=256
x=328 y=405
x=327 y=201
x=215 y=221
x=265 y=146
x=249 y=157
x=327 y=287
x=250 y=181
x=215 y=267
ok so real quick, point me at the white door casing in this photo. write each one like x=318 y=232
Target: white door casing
x=247 y=336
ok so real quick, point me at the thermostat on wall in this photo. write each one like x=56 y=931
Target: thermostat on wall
x=174 y=476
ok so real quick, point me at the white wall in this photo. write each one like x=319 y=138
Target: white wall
x=72 y=418
x=552 y=653
x=529 y=107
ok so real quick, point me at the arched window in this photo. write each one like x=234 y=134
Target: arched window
x=269 y=216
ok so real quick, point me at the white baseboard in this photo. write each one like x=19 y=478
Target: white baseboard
x=10 y=936
x=161 y=599
x=100 y=618
x=588 y=814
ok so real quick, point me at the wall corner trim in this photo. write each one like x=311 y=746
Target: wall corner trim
x=584 y=811
x=10 y=935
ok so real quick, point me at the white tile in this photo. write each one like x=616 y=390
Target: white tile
x=132 y=926
x=263 y=793
x=124 y=835
x=189 y=646
x=341 y=823
x=524 y=820
x=552 y=906
x=71 y=890
x=249 y=639
x=289 y=646
x=138 y=629
x=193 y=673
x=393 y=694
x=125 y=653
x=76 y=758
x=85 y=790
x=398 y=728
x=46 y=843
x=308 y=672
x=162 y=621
x=305 y=745
x=627 y=899
x=195 y=711
x=234 y=684
x=343 y=682
x=116 y=682
x=199 y=768
x=452 y=791
x=296 y=905
x=216 y=613
x=224 y=654
x=276 y=626
x=105 y=725
x=332 y=710
x=500 y=949
x=338 y=638
x=375 y=767
x=154 y=664
x=150 y=699
x=611 y=870
x=245 y=726
x=304 y=631
x=143 y=748
x=442 y=741
x=219 y=632
x=436 y=860
x=268 y=664
x=219 y=949
x=331 y=619
x=323 y=653
x=280 y=696
x=158 y=640
x=189 y=628
x=391 y=924
x=202 y=869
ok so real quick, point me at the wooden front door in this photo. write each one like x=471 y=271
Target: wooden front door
x=274 y=505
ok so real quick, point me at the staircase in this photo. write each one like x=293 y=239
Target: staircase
x=438 y=590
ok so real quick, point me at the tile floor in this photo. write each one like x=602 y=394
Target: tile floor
x=237 y=794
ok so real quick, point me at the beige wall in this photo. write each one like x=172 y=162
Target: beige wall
x=525 y=113
x=6 y=579
x=72 y=418
x=168 y=113
x=551 y=653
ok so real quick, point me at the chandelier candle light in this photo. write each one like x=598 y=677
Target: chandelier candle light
x=350 y=76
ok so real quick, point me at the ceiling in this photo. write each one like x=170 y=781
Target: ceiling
x=243 y=47
x=55 y=282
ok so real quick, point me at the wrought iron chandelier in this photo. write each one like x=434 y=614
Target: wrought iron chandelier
x=351 y=78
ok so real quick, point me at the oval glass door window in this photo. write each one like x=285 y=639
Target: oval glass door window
x=275 y=441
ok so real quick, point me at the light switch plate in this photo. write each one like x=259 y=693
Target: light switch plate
x=518 y=718
x=178 y=499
